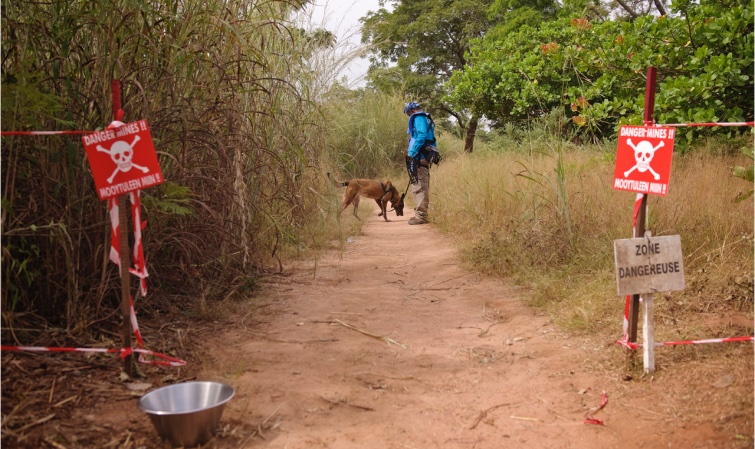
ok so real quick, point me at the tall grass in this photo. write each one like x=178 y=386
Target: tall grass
x=366 y=134
x=504 y=203
x=229 y=99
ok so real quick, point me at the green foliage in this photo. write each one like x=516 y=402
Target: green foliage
x=174 y=200
x=510 y=15
x=424 y=42
x=596 y=71
x=26 y=103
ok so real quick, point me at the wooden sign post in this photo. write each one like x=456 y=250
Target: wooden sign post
x=123 y=160
x=129 y=367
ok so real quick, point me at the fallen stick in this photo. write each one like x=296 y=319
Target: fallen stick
x=52 y=390
x=35 y=423
x=449 y=279
x=484 y=413
x=271 y=415
x=524 y=418
x=387 y=377
x=343 y=402
x=482 y=334
x=390 y=341
x=65 y=401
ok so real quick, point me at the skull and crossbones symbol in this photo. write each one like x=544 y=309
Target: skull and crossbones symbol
x=121 y=153
x=643 y=154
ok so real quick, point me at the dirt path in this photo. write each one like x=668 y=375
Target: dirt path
x=392 y=345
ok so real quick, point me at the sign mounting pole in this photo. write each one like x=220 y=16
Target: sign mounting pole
x=128 y=361
x=639 y=224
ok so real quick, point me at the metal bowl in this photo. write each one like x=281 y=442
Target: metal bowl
x=187 y=414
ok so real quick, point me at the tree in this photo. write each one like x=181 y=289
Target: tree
x=703 y=54
x=419 y=45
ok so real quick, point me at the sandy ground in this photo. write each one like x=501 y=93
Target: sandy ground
x=392 y=345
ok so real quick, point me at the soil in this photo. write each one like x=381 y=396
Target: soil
x=390 y=344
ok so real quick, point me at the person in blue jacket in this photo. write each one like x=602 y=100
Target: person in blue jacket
x=421 y=141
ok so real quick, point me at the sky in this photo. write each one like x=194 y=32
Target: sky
x=341 y=17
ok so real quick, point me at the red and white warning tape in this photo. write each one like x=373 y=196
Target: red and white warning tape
x=706 y=341
x=629 y=345
x=139 y=262
x=42 y=133
x=74 y=132
x=170 y=361
x=590 y=418
x=680 y=125
x=166 y=360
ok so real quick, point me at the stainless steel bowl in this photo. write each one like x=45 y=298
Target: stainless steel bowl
x=187 y=414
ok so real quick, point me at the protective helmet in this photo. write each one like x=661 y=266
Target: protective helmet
x=409 y=106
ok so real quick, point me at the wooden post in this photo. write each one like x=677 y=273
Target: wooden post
x=634 y=304
x=647 y=115
x=639 y=225
x=648 y=339
x=128 y=361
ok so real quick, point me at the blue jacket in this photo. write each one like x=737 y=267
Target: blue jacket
x=421 y=132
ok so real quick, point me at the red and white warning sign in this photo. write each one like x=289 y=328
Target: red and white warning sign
x=123 y=159
x=643 y=159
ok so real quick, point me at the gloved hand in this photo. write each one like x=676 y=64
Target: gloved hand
x=411 y=166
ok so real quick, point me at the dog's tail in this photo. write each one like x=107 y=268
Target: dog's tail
x=338 y=183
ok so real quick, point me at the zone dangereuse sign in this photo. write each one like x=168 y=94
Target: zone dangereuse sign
x=123 y=159
x=649 y=265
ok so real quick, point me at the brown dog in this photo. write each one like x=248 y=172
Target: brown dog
x=380 y=191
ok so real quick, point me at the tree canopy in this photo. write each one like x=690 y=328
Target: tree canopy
x=595 y=70
x=420 y=44
x=510 y=60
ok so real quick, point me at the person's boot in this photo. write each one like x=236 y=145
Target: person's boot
x=418 y=219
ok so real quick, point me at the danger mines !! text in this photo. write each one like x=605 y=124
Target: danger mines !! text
x=652 y=133
x=111 y=134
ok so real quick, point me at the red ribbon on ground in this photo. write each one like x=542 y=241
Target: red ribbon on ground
x=624 y=341
x=590 y=419
x=124 y=352
x=166 y=360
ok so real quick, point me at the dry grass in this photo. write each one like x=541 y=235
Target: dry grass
x=512 y=220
